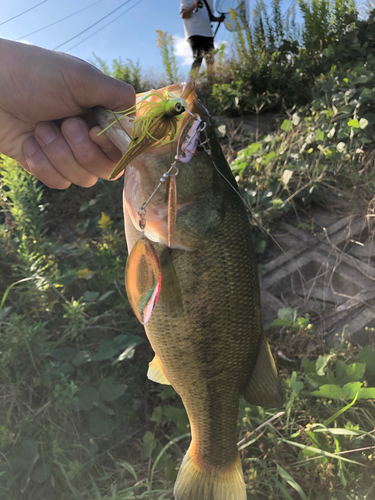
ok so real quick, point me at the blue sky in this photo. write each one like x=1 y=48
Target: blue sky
x=129 y=35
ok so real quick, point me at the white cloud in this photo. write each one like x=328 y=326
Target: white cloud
x=183 y=50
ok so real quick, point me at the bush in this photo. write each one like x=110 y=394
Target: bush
x=322 y=146
x=274 y=65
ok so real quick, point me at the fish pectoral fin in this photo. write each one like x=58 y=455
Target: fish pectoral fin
x=170 y=292
x=264 y=388
x=156 y=372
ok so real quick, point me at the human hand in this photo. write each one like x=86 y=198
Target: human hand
x=46 y=121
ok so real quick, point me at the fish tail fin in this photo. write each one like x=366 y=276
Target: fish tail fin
x=197 y=483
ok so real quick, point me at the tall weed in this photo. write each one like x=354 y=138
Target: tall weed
x=166 y=46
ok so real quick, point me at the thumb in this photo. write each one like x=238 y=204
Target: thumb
x=98 y=89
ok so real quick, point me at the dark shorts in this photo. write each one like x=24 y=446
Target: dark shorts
x=201 y=45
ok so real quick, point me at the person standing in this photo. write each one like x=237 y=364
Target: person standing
x=197 y=16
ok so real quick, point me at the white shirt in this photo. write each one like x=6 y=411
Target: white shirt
x=199 y=22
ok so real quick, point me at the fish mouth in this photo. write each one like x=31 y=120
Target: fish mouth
x=145 y=169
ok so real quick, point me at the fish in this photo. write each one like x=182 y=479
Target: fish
x=205 y=324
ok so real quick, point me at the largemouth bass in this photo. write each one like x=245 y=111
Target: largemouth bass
x=206 y=327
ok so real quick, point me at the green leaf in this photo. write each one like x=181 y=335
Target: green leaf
x=90 y=296
x=269 y=156
x=40 y=473
x=157 y=415
x=126 y=340
x=99 y=424
x=349 y=373
x=319 y=451
x=339 y=432
x=81 y=358
x=330 y=391
x=106 y=409
x=341 y=475
x=287 y=125
x=363 y=78
x=319 y=135
x=149 y=443
x=278 y=322
x=178 y=416
x=353 y=123
x=29 y=450
x=168 y=392
x=367 y=356
x=105 y=295
x=297 y=386
x=350 y=390
x=314 y=381
x=366 y=393
x=65 y=367
x=287 y=314
x=65 y=353
x=322 y=362
x=109 y=391
x=366 y=95
x=88 y=397
x=107 y=350
x=291 y=481
x=308 y=366
x=91 y=203
x=171 y=470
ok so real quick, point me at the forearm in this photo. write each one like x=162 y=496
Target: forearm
x=186 y=13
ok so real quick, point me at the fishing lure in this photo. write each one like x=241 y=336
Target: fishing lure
x=156 y=123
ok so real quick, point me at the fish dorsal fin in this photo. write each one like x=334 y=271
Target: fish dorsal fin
x=264 y=388
x=156 y=372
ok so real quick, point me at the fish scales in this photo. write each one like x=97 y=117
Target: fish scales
x=206 y=327
x=205 y=349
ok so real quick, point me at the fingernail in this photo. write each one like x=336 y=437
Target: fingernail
x=46 y=133
x=74 y=131
x=29 y=147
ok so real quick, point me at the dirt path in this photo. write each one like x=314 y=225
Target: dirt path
x=328 y=272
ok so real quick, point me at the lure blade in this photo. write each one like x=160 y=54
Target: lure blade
x=143 y=279
x=172 y=208
x=188 y=140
